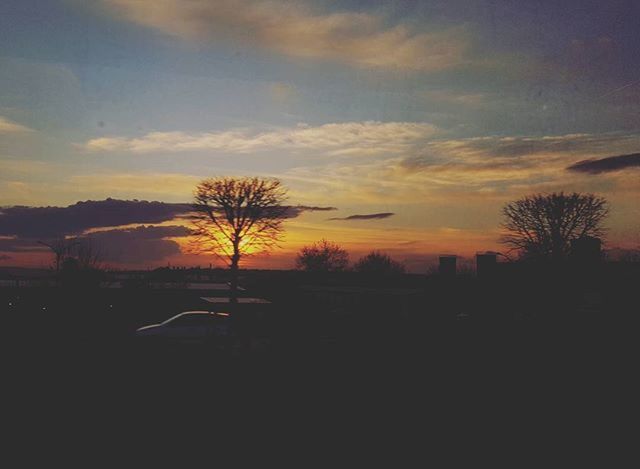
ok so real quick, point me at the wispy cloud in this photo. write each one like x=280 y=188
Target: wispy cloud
x=140 y=184
x=8 y=126
x=298 y=30
x=454 y=97
x=471 y=169
x=336 y=138
x=22 y=166
x=608 y=164
x=523 y=146
x=369 y=216
x=482 y=160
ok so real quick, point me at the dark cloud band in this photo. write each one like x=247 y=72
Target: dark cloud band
x=605 y=165
x=22 y=229
x=370 y=216
x=297 y=210
x=138 y=245
x=53 y=222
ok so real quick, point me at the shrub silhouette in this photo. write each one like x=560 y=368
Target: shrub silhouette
x=377 y=262
x=323 y=256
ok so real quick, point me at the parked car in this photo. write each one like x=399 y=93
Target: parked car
x=198 y=327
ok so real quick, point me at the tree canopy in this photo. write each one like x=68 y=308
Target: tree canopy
x=377 y=262
x=236 y=216
x=542 y=226
x=322 y=256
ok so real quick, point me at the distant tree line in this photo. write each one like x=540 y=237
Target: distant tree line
x=233 y=217
x=326 y=256
x=236 y=216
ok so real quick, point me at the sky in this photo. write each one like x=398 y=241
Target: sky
x=422 y=118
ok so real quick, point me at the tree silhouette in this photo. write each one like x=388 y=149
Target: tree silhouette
x=323 y=256
x=62 y=248
x=234 y=217
x=81 y=252
x=88 y=254
x=377 y=262
x=542 y=226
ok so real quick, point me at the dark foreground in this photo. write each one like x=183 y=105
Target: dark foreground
x=429 y=331
x=397 y=363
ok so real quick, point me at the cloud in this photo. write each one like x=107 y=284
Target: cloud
x=7 y=126
x=142 y=185
x=143 y=244
x=514 y=147
x=144 y=232
x=297 y=30
x=102 y=222
x=138 y=245
x=370 y=216
x=19 y=166
x=22 y=227
x=296 y=211
x=18 y=245
x=316 y=209
x=51 y=222
x=484 y=160
x=463 y=169
x=467 y=172
x=335 y=138
x=608 y=164
x=455 y=97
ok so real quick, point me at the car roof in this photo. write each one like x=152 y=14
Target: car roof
x=186 y=313
x=195 y=313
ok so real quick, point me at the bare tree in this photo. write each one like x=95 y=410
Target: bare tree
x=88 y=254
x=377 y=262
x=323 y=256
x=62 y=248
x=234 y=217
x=543 y=225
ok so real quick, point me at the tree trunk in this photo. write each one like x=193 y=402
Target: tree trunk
x=235 y=260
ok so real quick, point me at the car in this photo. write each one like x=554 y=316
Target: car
x=199 y=327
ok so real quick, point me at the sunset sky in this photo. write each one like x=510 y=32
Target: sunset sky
x=424 y=116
